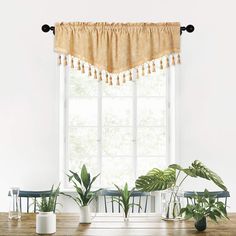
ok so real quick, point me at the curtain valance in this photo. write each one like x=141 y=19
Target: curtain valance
x=112 y=48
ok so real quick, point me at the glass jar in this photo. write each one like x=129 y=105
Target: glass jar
x=14 y=204
x=172 y=202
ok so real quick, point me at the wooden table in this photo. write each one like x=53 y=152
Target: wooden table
x=114 y=225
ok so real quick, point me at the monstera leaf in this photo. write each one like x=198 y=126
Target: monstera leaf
x=197 y=169
x=160 y=180
x=202 y=171
x=187 y=171
x=156 y=180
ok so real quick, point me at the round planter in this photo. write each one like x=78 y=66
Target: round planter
x=85 y=215
x=201 y=224
x=46 y=223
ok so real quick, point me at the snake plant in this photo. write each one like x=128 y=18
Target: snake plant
x=82 y=183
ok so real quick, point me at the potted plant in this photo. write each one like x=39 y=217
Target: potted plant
x=171 y=180
x=204 y=206
x=124 y=199
x=82 y=184
x=46 y=217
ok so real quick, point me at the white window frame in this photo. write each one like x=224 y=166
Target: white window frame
x=171 y=122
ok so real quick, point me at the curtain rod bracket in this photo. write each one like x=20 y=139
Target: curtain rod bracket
x=189 y=28
x=46 y=28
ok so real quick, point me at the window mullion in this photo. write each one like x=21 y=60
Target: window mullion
x=135 y=164
x=99 y=130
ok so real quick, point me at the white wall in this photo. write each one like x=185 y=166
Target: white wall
x=29 y=84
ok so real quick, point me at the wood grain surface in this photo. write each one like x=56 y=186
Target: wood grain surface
x=114 y=225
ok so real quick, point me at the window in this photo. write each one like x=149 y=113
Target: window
x=118 y=131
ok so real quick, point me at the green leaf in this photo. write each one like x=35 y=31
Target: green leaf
x=82 y=185
x=156 y=179
x=76 y=176
x=202 y=171
x=85 y=176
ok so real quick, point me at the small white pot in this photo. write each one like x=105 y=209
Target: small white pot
x=46 y=223
x=85 y=215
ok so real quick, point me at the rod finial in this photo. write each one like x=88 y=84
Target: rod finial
x=189 y=28
x=45 y=28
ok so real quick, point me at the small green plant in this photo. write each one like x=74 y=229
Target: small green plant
x=82 y=184
x=205 y=205
x=124 y=199
x=48 y=203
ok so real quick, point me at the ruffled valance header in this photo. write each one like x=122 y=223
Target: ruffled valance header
x=117 y=47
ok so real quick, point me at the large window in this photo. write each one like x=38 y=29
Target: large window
x=118 y=131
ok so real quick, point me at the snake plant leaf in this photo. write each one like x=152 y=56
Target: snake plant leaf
x=156 y=179
x=74 y=175
x=85 y=176
x=202 y=171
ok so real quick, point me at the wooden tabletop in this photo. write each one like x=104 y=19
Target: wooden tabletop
x=114 y=225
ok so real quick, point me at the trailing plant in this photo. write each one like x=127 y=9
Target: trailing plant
x=124 y=199
x=173 y=177
x=204 y=205
x=48 y=203
x=82 y=183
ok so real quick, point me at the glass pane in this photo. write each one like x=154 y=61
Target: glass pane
x=151 y=111
x=82 y=85
x=117 y=111
x=83 y=112
x=76 y=163
x=117 y=170
x=117 y=141
x=147 y=163
x=82 y=142
x=115 y=90
x=153 y=85
x=151 y=141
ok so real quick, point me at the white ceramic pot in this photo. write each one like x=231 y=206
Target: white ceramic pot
x=85 y=215
x=46 y=223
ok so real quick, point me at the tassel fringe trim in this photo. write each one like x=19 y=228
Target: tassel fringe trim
x=138 y=72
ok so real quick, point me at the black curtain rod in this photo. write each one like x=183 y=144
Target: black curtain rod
x=189 y=28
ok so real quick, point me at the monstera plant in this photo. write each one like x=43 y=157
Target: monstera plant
x=172 y=178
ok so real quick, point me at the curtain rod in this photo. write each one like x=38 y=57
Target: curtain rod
x=189 y=28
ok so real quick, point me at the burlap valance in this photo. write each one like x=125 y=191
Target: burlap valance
x=117 y=47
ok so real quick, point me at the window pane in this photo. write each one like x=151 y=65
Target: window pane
x=151 y=141
x=81 y=85
x=151 y=111
x=117 y=141
x=82 y=142
x=83 y=112
x=122 y=90
x=155 y=85
x=117 y=111
x=147 y=163
x=117 y=170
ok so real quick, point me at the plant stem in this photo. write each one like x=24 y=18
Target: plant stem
x=183 y=180
x=175 y=195
x=168 y=208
